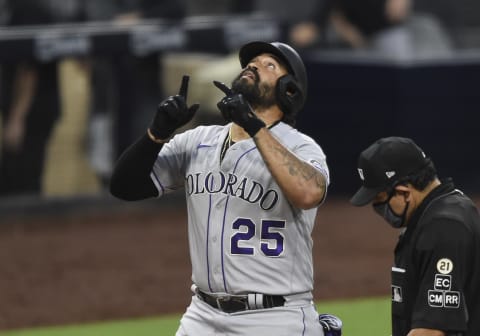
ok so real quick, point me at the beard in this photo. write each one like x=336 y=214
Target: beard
x=259 y=95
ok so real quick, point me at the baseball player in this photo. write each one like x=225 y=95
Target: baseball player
x=252 y=188
x=436 y=275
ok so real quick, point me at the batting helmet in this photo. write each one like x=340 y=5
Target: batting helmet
x=291 y=89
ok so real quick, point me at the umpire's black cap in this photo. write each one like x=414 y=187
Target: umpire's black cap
x=384 y=163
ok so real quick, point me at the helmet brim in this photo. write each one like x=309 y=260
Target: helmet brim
x=253 y=49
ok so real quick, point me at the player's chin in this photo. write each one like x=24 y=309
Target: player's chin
x=245 y=86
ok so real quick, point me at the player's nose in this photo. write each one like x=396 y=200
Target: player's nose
x=251 y=67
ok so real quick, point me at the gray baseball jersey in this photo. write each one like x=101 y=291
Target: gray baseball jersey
x=244 y=235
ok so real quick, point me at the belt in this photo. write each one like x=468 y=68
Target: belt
x=236 y=303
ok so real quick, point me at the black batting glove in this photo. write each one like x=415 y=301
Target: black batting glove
x=172 y=113
x=235 y=108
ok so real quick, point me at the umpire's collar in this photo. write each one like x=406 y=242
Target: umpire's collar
x=444 y=188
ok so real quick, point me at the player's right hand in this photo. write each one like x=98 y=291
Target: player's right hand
x=172 y=113
x=221 y=106
x=235 y=108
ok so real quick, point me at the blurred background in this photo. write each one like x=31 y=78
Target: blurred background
x=80 y=81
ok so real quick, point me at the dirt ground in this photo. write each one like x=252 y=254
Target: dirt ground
x=113 y=262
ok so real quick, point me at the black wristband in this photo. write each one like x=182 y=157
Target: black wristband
x=151 y=135
x=253 y=125
x=161 y=132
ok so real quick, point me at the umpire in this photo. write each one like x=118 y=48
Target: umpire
x=436 y=274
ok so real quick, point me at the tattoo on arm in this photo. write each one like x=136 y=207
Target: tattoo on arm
x=297 y=167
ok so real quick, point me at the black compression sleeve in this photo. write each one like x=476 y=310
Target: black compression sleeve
x=130 y=179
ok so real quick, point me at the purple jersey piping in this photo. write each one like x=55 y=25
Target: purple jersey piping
x=207 y=244
x=159 y=183
x=224 y=216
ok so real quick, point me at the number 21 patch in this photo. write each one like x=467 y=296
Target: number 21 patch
x=444 y=266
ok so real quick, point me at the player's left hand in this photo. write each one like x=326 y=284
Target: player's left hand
x=235 y=108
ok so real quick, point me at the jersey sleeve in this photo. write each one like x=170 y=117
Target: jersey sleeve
x=169 y=168
x=441 y=254
x=304 y=147
x=312 y=153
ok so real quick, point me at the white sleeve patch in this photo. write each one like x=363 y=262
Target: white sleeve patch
x=322 y=168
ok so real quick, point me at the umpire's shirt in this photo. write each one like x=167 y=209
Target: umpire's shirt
x=436 y=277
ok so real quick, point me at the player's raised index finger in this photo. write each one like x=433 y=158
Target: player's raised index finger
x=184 y=87
x=223 y=87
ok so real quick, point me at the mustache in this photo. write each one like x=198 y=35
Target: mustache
x=238 y=86
x=253 y=71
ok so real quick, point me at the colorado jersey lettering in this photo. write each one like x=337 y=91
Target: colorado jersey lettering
x=237 y=211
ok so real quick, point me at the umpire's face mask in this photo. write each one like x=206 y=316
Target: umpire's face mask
x=385 y=210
